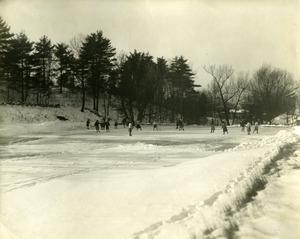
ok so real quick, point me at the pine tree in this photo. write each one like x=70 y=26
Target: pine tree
x=5 y=40
x=138 y=84
x=98 y=54
x=64 y=59
x=181 y=82
x=44 y=70
x=20 y=61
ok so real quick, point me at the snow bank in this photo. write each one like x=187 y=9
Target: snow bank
x=23 y=114
x=222 y=217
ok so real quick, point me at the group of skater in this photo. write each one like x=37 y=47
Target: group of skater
x=242 y=124
x=223 y=126
x=105 y=125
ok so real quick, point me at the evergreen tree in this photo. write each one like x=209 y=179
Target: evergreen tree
x=64 y=59
x=19 y=60
x=138 y=84
x=162 y=89
x=98 y=56
x=44 y=70
x=181 y=82
x=5 y=40
x=5 y=37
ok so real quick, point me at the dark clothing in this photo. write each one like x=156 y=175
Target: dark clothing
x=212 y=128
x=225 y=130
x=102 y=125
x=97 y=126
x=243 y=126
x=107 y=124
x=180 y=124
x=138 y=127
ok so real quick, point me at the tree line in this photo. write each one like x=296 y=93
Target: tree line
x=140 y=87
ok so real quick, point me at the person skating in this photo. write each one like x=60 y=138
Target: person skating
x=248 y=128
x=130 y=128
x=155 y=126
x=88 y=124
x=97 y=123
x=107 y=124
x=124 y=122
x=212 y=127
x=138 y=126
x=255 y=128
x=242 y=126
x=102 y=124
x=224 y=127
x=181 y=125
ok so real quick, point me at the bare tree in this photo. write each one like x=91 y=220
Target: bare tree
x=272 y=92
x=221 y=88
x=76 y=44
x=240 y=85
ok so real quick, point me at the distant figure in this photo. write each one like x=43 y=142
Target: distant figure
x=255 y=128
x=212 y=127
x=181 y=125
x=138 y=126
x=248 y=128
x=116 y=124
x=97 y=123
x=155 y=126
x=124 y=122
x=130 y=128
x=107 y=124
x=102 y=124
x=224 y=127
x=88 y=124
x=242 y=126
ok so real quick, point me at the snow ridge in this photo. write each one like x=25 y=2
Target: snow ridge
x=218 y=216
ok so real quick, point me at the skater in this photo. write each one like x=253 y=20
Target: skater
x=116 y=124
x=212 y=127
x=130 y=128
x=97 y=123
x=155 y=126
x=138 y=126
x=88 y=123
x=248 y=128
x=102 y=124
x=181 y=125
x=242 y=126
x=107 y=124
x=224 y=127
x=124 y=122
x=255 y=128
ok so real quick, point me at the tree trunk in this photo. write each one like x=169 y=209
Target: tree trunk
x=83 y=95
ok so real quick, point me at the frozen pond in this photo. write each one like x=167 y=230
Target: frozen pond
x=50 y=153
x=60 y=180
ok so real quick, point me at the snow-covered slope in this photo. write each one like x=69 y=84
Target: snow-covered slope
x=12 y=114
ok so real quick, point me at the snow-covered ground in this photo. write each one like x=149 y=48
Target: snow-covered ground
x=59 y=181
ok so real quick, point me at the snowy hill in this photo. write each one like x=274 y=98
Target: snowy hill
x=37 y=114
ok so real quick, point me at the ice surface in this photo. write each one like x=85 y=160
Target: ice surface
x=60 y=180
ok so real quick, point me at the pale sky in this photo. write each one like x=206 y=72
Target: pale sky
x=242 y=33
